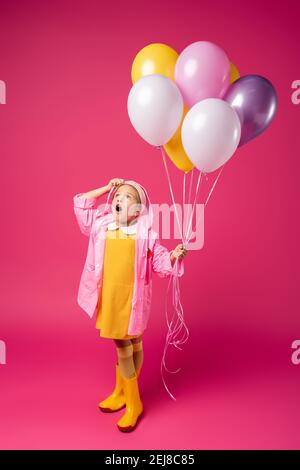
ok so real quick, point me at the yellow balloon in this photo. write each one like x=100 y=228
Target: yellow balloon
x=175 y=150
x=234 y=73
x=154 y=58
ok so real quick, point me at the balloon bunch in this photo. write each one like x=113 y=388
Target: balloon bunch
x=198 y=110
x=196 y=105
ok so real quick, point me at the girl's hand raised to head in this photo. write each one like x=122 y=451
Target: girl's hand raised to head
x=114 y=182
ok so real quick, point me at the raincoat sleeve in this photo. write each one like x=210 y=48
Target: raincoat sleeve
x=161 y=262
x=85 y=211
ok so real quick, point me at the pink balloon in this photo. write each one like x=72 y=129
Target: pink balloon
x=202 y=71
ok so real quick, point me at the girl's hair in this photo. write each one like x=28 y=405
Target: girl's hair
x=136 y=191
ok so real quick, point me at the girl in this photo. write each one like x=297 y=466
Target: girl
x=116 y=283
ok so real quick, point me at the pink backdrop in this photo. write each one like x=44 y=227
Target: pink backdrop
x=65 y=129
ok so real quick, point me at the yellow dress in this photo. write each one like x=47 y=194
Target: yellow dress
x=114 y=305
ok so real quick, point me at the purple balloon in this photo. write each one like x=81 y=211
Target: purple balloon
x=255 y=100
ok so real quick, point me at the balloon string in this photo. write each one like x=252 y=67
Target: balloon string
x=193 y=208
x=171 y=190
x=174 y=329
x=177 y=322
x=183 y=203
x=210 y=193
x=213 y=185
x=190 y=189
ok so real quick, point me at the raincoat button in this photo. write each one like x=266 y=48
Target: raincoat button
x=97 y=265
x=142 y=276
x=144 y=255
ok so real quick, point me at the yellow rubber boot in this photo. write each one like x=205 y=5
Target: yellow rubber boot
x=115 y=401
x=134 y=405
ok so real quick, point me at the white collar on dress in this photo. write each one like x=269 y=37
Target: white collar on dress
x=129 y=229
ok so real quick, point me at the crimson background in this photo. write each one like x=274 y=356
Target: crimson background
x=65 y=129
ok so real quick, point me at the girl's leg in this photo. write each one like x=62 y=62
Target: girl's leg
x=134 y=405
x=138 y=354
x=125 y=357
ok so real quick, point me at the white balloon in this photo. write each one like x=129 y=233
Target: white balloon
x=210 y=133
x=155 y=108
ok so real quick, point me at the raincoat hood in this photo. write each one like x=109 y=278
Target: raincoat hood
x=145 y=218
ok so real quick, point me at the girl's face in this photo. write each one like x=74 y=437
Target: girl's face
x=125 y=204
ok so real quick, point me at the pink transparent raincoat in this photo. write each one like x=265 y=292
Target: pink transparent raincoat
x=150 y=256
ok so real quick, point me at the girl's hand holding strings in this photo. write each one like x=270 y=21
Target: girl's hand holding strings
x=179 y=252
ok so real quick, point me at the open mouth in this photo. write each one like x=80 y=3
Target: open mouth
x=118 y=208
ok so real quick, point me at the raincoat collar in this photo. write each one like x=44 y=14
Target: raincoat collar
x=128 y=229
